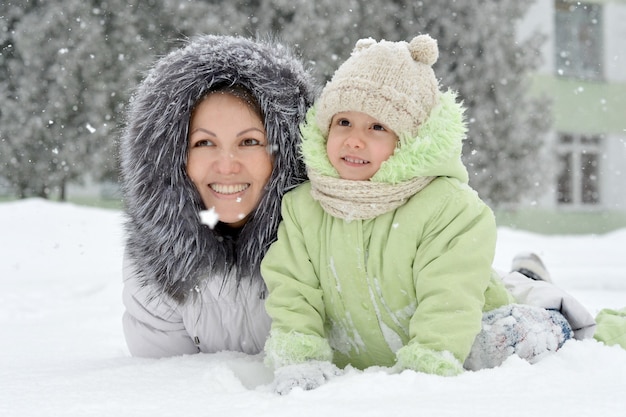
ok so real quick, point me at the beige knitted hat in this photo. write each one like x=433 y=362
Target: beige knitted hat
x=390 y=81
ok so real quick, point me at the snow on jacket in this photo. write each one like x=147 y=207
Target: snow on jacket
x=188 y=288
x=409 y=285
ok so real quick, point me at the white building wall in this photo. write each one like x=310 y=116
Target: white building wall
x=615 y=42
x=613 y=180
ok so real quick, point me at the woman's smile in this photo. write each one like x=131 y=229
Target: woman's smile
x=228 y=189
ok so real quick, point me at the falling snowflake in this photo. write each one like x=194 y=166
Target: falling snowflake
x=209 y=217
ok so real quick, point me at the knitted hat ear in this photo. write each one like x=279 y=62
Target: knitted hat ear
x=424 y=49
x=392 y=82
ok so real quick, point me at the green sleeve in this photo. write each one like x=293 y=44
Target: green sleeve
x=452 y=271
x=295 y=301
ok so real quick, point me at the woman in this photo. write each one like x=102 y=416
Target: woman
x=189 y=287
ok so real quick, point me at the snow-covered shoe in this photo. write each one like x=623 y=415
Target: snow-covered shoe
x=526 y=331
x=530 y=264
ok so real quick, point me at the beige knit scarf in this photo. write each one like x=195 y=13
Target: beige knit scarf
x=360 y=200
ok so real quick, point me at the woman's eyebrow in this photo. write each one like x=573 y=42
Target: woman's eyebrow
x=243 y=132
x=200 y=129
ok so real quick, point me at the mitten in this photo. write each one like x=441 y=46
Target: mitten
x=611 y=327
x=288 y=348
x=422 y=359
x=516 y=329
x=308 y=375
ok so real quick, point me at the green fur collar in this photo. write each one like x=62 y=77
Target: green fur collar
x=436 y=151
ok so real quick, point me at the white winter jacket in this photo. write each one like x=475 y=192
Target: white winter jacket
x=230 y=317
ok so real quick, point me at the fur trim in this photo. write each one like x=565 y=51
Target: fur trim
x=422 y=359
x=313 y=146
x=291 y=348
x=169 y=246
x=436 y=151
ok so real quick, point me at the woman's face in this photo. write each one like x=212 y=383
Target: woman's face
x=229 y=160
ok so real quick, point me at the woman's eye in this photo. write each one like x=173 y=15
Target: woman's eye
x=250 y=142
x=201 y=143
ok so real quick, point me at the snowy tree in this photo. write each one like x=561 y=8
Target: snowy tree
x=68 y=67
x=47 y=134
x=10 y=16
x=481 y=59
x=323 y=31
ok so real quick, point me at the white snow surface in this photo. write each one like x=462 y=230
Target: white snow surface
x=62 y=351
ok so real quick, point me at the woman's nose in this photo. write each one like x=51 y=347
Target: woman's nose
x=227 y=163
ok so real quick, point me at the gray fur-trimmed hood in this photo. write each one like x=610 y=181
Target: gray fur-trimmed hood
x=168 y=245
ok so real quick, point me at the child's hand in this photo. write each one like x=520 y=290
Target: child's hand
x=308 y=375
x=422 y=359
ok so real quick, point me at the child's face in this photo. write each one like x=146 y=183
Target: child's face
x=228 y=160
x=358 y=144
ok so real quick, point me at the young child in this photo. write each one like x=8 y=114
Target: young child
x=384 y=257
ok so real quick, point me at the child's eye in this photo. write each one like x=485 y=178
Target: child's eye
x=378 y=127
x=343 y=122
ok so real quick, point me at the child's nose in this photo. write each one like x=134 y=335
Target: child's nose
x=354 y=141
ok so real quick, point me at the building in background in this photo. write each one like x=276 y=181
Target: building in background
x=584 y=74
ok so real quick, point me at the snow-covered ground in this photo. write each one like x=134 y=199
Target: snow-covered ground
x=62 y=352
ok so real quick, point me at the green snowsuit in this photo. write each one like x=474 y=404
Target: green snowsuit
x=408 y=286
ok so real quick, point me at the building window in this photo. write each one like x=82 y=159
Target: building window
x=579 y=169
x=578 y=40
